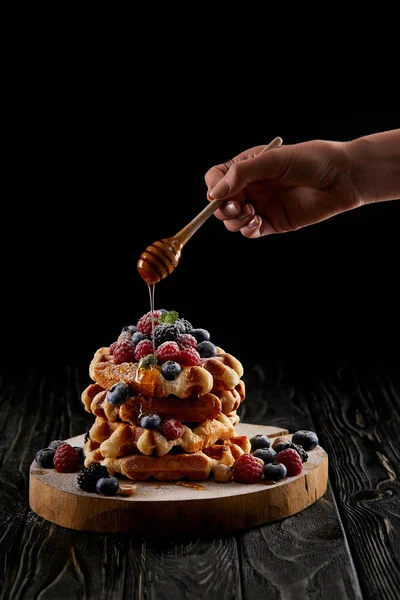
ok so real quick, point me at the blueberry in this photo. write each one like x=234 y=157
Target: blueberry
x=170 y=369
x=266 y=454
x=55 y=444
x=275 y=471
x=44 y=458
x=138 y=337
x=79 y=450
x=206 y=349
x=163 y=311
x=108 y=486
x=201 y=335
x=129 y=329
x=148 y=361
x=305 y=438
x=150 y=421
x=118 y=393
x=282 y=446
x=260 y=441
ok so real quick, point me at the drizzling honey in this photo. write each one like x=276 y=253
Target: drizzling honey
x=152 y=288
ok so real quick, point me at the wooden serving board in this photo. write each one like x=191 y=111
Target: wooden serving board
x=159 y=508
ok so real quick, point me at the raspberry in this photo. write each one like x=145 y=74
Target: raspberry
x=112 y=347
x=167 y=351
x=172 y=429
x=186 y=341
x=144 y=325
x=124 y=351
x=189 y=357
x=248 y=469
x=292 y=461
x=66 y=459
x=143 y=348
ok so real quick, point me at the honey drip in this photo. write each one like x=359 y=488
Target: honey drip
x=193 y=486
x=152 y=288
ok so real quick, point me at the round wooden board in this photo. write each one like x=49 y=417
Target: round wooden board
x=159 y=508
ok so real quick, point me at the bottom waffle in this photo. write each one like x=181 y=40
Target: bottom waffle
x=197 y=466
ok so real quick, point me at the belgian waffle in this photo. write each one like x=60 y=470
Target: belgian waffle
x=186 y=410
x=171 y=467
x=221 y=372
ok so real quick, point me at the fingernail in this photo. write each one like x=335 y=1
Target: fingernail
x=246 y=211
x=253 y=223
x=230 y=209
x=220 y=189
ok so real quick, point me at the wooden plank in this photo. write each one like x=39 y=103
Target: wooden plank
x=357 y=412
x=47 y=561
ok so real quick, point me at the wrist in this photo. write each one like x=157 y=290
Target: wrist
x=375 y=166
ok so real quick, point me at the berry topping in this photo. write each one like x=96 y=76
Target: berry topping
x=206 y=349
x=89 y=476
x=299 y=449
x=112 y=347
x=145 y=323
x=305 y=438
x=131 y=329
x=108 y=486
x=260 y=441
x=118 y=393
x=248 y=469
x=275 y=471
x=167 y=351
x=172 y=429
x=56 y=444
x=124 y=351
x=170 y=369
x=201 y=335
x=185 y=340
x=184 y=325
x=45 y=458
x=267 y=455
x=66 y=459
x=166 y=333
x=292 y=461
x=189 y=357
x=138 y=337
x=148 y=362
x=143 y=348
x=79 y=450
x=151 y=421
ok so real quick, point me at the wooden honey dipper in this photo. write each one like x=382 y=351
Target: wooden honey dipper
x=162 y=257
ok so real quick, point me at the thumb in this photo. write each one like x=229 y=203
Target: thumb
x=265 y=166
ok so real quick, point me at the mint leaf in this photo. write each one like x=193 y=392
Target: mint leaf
x=170 y=317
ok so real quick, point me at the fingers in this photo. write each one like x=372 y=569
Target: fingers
x=243 y=172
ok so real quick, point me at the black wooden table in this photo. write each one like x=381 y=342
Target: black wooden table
x=346 y=546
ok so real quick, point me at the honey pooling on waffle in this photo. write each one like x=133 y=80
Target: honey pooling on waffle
x=165 y=401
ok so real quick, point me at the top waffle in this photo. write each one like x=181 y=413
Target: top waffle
x=220 y=372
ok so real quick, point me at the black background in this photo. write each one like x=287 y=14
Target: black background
x=100 y=175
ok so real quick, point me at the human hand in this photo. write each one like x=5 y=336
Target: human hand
x=284 y=189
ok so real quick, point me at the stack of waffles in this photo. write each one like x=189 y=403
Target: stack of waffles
x=201 y=401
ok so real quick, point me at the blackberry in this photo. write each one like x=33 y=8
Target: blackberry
x=166 y=333
x=79 y=450
x=89 y=476
x=299 y=449
x=184 y=325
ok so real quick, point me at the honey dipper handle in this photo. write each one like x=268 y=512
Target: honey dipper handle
x=186 y=233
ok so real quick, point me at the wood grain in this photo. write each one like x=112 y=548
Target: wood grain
x=321 y=552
